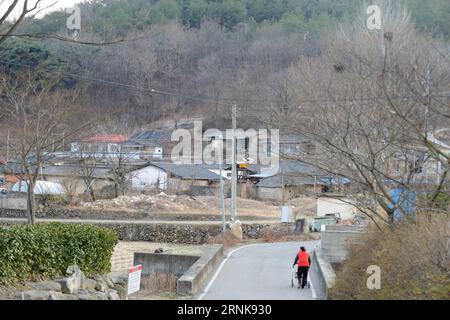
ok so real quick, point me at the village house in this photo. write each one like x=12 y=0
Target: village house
x=149 y=144
x=175 y=178
x=102 y=144
x=292 y=180
x=427 y=170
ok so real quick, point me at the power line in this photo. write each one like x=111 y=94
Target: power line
x=246 y=104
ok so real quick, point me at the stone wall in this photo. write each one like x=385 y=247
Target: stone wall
x=77 y=287
x=172 y=232
x=82 y=213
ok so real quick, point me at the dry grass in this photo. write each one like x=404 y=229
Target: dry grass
x=228 y=240
x=270 y=236
x=412 y=256
x=159 y=283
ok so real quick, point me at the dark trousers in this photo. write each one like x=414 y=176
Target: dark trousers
x=302 y=274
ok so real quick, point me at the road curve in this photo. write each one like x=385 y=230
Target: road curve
x=257 y=272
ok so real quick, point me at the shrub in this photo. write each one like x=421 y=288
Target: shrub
x=412 y=256
x=46 y=250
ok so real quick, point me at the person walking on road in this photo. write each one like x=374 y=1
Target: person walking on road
x=303 y=261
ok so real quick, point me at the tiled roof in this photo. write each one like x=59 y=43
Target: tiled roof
x=188 y=171
x=112 y=138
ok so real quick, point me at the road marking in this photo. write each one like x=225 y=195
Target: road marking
x=211 y=282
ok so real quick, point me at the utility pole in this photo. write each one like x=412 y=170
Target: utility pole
x=222 y=200
x=218 y=145
x=7 y=147
x=282 y=186
x=233 y=172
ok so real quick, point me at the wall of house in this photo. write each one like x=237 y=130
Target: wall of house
x=178 y=185
x=328 y=205
x=148 y=177
x=276 y=194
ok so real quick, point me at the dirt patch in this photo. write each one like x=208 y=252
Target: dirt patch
x=163 y=203
x=228 y=240
x=179 y=203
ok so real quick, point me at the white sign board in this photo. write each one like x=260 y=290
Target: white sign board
x=134 y=279
x=286 y=214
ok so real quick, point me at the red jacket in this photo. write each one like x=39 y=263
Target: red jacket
x=303 y=259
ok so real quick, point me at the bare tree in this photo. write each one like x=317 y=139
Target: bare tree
x=371 y=103
x=86 y=170
x=38 y=116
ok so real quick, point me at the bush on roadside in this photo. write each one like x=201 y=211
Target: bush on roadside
x=412 y=256
x=46 y=250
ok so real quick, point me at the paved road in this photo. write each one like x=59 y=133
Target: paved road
x=258 y=272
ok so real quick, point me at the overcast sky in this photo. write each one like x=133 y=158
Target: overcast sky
x=58 y=4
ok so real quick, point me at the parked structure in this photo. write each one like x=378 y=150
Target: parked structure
x=40 y=188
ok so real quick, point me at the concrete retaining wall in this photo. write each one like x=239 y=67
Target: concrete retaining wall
x=333 y=249
x=335 y=241
x=164 y=263
x=13 y=203
x=321 y=273
x=191 y=282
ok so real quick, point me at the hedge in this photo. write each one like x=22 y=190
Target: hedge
x=46 y=250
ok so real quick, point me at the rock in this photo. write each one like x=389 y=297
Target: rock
x=112 y=294
x=72 y=284
x=69 y=285
x=45 y=286
x=121 y=291
x=89 y=284
x=74 y=272
x=55 y=296
x=118 y=278
x=69 y=297
x=236 y=230
x=100 y=296
x=62 y=296
x=37 y=295
x=84 y=295
x=109 y=282
x=101 y=286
